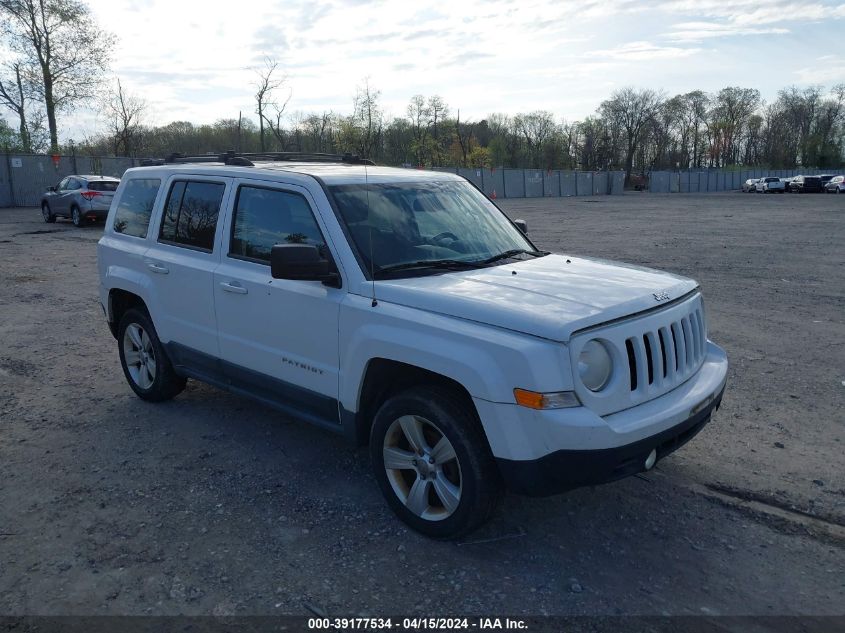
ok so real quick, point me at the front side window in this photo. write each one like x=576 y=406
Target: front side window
x=190 y=214
x=63 y=184
x=132 y=216
x=266 y=217
x=443 y=222
x=73 y=184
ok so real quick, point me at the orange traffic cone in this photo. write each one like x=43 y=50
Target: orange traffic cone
x=493 y=197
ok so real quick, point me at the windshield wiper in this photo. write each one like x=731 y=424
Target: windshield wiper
x=448 y=264
x=512 y=253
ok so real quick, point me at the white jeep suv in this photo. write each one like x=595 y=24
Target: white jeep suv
x=403 y=309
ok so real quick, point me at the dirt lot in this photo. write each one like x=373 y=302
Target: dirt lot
x=212 y=504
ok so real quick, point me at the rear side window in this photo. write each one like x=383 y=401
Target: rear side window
x=190 y=215
x=266 y=217
x=102 y=185
x=132 y=216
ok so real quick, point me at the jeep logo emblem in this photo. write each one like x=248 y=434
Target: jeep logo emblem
x=661 y=296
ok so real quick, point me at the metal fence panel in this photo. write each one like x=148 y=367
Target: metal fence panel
x=494 y=183
x=674 y=183
x=5 y=185
x=514 y=183
x=583 y=183
x=473 y=175
x=600 y=183
x=658 y=182
x=617 y=185
x=551 y=184
x=533 y=183
x=568 y=183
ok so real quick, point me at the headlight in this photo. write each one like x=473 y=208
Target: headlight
x=594 y=365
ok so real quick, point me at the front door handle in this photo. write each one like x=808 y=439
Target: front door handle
x=157 y=268
x=232 y=286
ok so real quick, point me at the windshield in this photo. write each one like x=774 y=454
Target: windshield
x=403 y=226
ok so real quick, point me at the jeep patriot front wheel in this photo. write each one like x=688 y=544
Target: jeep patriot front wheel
x=433 y=463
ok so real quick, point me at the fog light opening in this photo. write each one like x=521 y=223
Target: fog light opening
x=652 y=457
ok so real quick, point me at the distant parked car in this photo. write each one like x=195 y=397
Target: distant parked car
x=770 y=184
x=786 y=182
x=806 y=184
x=826 y=178
x=81 y=198
x=836 y=185
x=750 y=185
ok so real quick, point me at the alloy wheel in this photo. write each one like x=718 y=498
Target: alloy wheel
x=139 y=355
x=422 y=467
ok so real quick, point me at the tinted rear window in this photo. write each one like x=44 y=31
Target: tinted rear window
x=812 y=179
x=190 y=215
x=102 y=185
x=132 y=216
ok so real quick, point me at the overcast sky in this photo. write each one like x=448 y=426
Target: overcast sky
x=192 y=59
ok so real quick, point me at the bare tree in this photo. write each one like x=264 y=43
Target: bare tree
x=419 y=115
x=124 y=112
x=14 y=94
x=367 y=119
x=536 y=128
x=438 y=110
x=463 y=134
x=62 y=46
x=268 y=107
x=631 y=109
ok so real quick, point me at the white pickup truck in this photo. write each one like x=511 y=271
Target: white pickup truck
x=405 y=310
x=770 y=184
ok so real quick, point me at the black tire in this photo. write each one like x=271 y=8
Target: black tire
x=166 y=384
x=454 y=416
x=48 y=216
x=76 y=216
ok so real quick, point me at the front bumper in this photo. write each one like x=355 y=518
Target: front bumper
x=545 y=452
x=565 y=469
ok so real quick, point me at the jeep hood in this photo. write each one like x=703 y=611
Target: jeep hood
x=550 y=297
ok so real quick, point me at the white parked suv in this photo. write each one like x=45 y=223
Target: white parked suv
x=403 y=309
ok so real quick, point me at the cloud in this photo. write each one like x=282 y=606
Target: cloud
x=698 y=31
x=832 y=71
x=641 y=51
x=464 y=58
x=270 y=40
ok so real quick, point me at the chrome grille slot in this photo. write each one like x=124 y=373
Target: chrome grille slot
x=654 y=354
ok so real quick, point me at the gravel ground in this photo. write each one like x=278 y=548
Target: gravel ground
x=213 y=504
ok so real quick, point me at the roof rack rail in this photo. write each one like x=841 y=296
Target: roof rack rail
x=247 y=159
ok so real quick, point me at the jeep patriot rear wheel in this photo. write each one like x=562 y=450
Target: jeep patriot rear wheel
x=432 y=462
x=145 y=364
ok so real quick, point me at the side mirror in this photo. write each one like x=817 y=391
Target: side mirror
x=302 y=262
x=51 y=188
x=522 y=225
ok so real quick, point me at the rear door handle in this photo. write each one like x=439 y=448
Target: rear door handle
x=157 y=268
x=233 y=287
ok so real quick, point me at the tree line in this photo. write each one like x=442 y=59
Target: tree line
x=58 y=59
